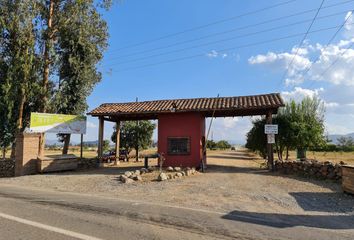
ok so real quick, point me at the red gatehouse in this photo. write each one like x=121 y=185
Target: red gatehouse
x=181 y=122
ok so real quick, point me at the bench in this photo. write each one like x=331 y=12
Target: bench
x=56 y=163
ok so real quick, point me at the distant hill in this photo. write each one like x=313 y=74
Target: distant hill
x=52 y=142
x=334 y=137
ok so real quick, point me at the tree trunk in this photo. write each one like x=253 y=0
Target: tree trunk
x=19 y=122
x=3 y=153
x=287 y=153
x=66 y=143
x=137 y=154
x=46 y=66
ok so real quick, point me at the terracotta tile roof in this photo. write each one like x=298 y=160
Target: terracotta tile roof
x=207 y=105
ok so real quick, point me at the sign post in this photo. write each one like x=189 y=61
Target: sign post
x=270 y=129
x=59 y=123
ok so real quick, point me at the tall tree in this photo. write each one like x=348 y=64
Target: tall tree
x=82 y=38
x=18 y=64
x=43 y=41
x=132 y=133
x=301 y=127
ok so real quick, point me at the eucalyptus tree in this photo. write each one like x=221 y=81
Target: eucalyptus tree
x=49 y=51
x=19 y=62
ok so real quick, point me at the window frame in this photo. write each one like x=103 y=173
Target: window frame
x=179 y=153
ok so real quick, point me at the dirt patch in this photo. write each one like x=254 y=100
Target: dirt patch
x=234 y=181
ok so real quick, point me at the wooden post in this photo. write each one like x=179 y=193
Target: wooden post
x=81 y=145
x=100 y=137
x=269 y=145
x=117 y=147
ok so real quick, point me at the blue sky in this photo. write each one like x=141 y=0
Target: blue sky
x=257 y=69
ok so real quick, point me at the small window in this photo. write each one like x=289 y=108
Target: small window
x=178 y=145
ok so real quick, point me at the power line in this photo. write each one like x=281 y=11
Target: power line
x=336 y=60
x=301 y=42
x=231 y=48
x=230 y=30
x=208 y=25
x=222 y=40
x=329 y=42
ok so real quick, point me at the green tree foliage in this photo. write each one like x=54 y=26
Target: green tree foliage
x=346 y=144
x=211 y=144
x=223 y=144
x=82 y=38
x=18 y=67
x=256 y=139
x=134 y=135
x=48 y=56
x=301 y=126
x=105 y=146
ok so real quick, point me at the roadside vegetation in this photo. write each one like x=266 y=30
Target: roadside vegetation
x=49 y=51
x=301 y=131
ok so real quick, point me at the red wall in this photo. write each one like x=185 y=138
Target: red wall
x=190 y=125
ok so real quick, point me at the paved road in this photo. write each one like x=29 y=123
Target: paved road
x=37 y=214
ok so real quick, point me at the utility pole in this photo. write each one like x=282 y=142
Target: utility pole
x=137 y=138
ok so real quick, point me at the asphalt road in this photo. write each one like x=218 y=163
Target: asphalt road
x=39 y=214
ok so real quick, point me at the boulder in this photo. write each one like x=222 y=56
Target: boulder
x=170 y=169
x=162 y=177
x=179 y=174
x=151 y=169
x=143 y=170
x=127 y=180
x=137 y=172
x=138 y=178
x=177 y=169
x=128 y=173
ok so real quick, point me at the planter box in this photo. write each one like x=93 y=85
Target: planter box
x=57 y=163
x=348 y=179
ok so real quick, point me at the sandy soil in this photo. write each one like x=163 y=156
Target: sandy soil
x=233 y=181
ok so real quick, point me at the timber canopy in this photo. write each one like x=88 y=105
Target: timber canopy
x=208 y=107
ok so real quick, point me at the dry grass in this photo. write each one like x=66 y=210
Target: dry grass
x=347 y=157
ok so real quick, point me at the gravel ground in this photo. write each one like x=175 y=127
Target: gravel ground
x=234 y=181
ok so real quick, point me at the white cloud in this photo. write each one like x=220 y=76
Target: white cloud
x=232 y=129
x=300 y=93
x=279 y=62
x=216 y=54
x=332 y=63
x=212 y=54
x=91 y=125
x=349 y=28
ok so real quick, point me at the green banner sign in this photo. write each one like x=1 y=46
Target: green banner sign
x=58 y=123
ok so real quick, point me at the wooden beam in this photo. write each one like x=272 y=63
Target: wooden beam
x=269 y=145
x=81 y=145
x=100 y=137
x=117 y=147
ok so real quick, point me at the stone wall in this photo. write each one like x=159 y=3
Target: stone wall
x=311 y=168
x=7 y=168
x=86 y=163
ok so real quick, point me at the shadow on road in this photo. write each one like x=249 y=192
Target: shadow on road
x=288 y=220
x=324 y=201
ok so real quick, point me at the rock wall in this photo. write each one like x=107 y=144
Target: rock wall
x=7 y=168
x=86 y=163
x=311 y=168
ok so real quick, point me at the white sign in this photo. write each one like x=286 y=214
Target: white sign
x=57 y=123
x=271 y=138
x=271 y=129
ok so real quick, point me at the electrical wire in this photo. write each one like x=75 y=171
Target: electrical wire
x=221 y=40
x=227 y=31
x=230 y=48
x=301 y=43
x=208 y=25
